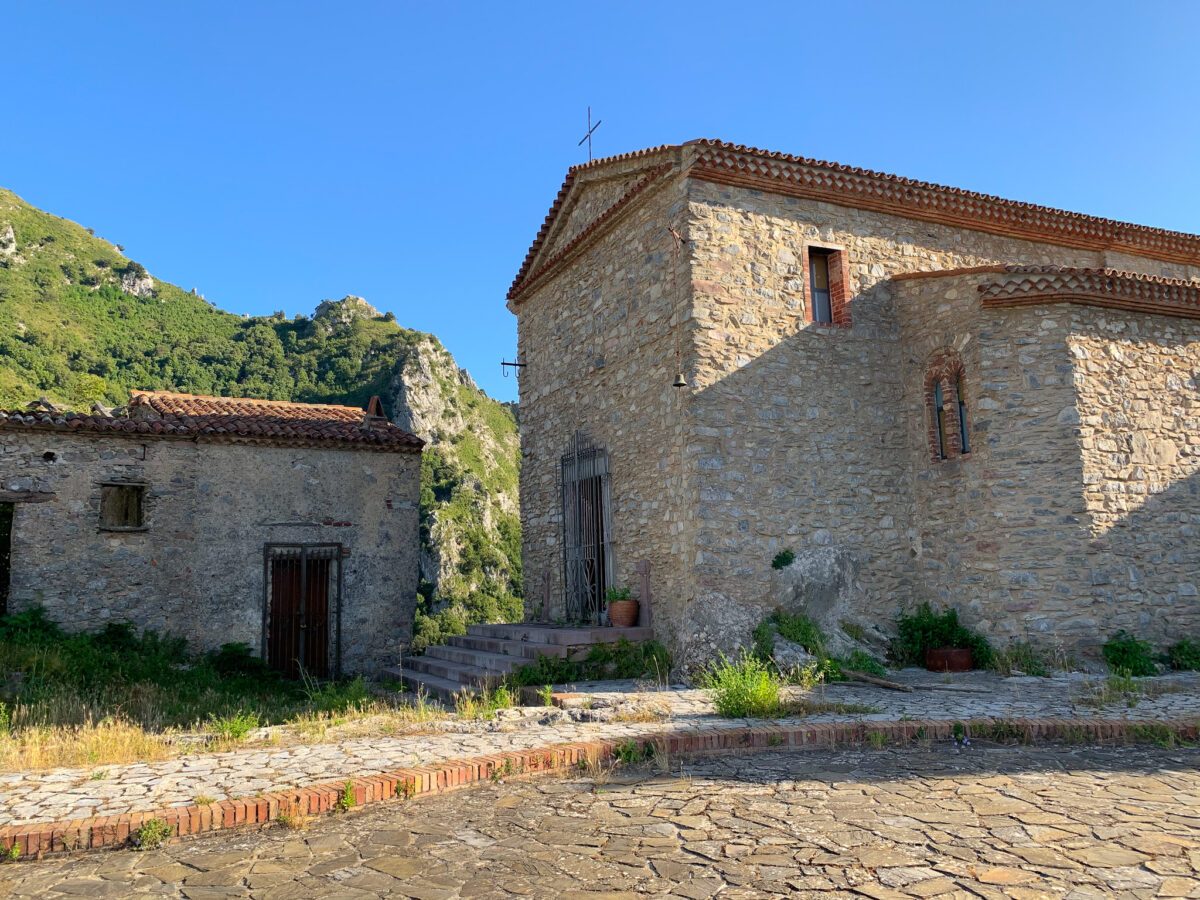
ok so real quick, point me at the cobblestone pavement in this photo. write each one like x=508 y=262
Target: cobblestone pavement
x=112 y=790
x=987 y=822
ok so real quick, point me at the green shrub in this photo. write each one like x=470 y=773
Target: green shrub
x=151 y=835
x=783 y=559
x=648 y=659
x=237 y=659
x=235 y=726
x=798 y=629
x=1184 y=655
x=742 y=688
x=861 y=661
x=346 y=801
x=629 y=753
x=615 y=594
x=1125 y=653
x=925 y=629
x=149 y=680
x=336 y=696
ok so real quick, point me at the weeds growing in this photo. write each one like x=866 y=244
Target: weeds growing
x=117 y=696
x=743 y=688
x=151 y=835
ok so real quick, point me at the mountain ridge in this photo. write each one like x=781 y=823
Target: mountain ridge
x=81 y=323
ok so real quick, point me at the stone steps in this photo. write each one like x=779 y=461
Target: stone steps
x=527 y=650
x=482 y=657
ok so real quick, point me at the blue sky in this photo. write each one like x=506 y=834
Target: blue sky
x=273 y=154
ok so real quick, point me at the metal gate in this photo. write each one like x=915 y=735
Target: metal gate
x=587 y=526
x=302 y=609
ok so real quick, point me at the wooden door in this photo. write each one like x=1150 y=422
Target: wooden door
x=301 y=609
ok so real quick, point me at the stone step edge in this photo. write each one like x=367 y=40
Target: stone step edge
x=37 y=840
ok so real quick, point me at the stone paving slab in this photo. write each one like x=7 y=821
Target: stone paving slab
x=1010 y=822
x=66 y=794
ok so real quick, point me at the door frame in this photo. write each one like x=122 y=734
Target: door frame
x=330 y=551
x=586 y=497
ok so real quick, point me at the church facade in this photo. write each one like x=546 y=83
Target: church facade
x=728 y=353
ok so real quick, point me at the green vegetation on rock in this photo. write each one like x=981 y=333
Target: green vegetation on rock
x=81 y=323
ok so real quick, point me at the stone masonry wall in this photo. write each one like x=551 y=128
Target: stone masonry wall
x=801 y=432
x=1000 y=530
x=1137 y=380
x=791 y=434
x=197 y=570
x=600 y=343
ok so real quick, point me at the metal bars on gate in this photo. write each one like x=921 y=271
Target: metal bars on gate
x=587 y=530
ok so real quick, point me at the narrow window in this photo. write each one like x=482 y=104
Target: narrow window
x=818 y=277
x=963 y=445
x=940 y=415
x=121 y=506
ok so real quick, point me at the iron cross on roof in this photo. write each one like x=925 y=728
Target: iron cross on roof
x=588 y=137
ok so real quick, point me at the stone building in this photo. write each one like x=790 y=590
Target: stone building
x=291 y=527
x=982 y=403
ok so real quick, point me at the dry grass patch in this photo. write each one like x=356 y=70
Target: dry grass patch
x=642 y=712
x=108 y=742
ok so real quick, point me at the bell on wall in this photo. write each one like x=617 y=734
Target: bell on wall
x=680 y=381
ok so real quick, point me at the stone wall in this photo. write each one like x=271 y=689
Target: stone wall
x=793 y=435
x=1137 y=382
x=998 y=529
x=1075 y=513
x=600 y=343
x=197 y=568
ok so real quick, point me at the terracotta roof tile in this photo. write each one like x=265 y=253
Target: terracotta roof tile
x=1112 y=288
x=169 y=414
x=737 y=164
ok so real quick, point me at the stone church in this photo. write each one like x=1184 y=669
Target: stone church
x=728 y=353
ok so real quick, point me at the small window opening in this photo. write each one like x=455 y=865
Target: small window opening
x=122 y=506
x=818 y=276
x=963 y=444
x=50 y=456
x=940 y=414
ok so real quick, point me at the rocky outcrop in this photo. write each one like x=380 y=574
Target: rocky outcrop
x=136 y=280
x=821 y=583
x=715 y=625
x=331 y=314
x=8 y=241
x=470 y=525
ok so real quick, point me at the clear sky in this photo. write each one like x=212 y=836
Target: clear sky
x=273 y=154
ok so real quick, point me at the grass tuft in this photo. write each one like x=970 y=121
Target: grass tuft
x=743 y=688
x=151 y=835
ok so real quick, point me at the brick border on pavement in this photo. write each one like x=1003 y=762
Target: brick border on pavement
x=35 y=840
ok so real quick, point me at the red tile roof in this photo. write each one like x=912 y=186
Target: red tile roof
x=525 y=275
x=1111 y=288
x=782 y=173
x=227 y=419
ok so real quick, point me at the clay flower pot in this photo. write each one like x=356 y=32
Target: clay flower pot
x=623 y=613
x=949 y=659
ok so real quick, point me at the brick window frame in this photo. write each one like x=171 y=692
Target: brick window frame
x=945 y=368
x=839 y=284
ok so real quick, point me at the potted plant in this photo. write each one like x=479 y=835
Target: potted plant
x=940 y=642
x=622 y=608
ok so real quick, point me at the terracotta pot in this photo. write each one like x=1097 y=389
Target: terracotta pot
x=623 y=613
x=949 y=659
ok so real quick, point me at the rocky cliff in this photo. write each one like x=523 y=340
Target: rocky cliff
x=82 y=323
